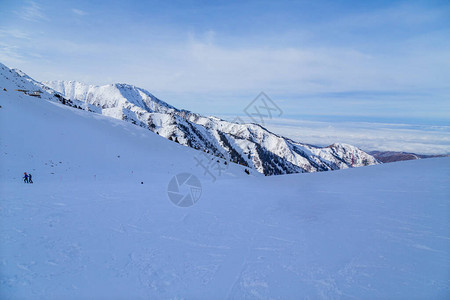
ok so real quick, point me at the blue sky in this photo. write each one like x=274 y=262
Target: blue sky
x=365 y=61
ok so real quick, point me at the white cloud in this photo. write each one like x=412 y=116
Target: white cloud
x=79 y=12
x=208 y=62
x=198 y=66
x=32 y=11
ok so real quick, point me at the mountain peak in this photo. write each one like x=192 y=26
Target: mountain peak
x=116 y=95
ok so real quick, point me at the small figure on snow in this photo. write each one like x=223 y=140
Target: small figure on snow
x=25 y=178
x=29 y=179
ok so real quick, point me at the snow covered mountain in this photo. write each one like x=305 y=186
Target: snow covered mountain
x=97 y=222
x=248 y=144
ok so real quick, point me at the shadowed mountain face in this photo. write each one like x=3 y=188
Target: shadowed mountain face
x=393 y=156
x=247 y=144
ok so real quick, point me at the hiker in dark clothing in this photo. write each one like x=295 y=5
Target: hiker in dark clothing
x=25 y=178
x=29 y=179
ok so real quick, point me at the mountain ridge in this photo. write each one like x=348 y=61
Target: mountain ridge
x=250 y=145
x=242 y=143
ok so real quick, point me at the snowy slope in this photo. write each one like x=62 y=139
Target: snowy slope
x=56 y=132
x=87 y=228
x=248 y=144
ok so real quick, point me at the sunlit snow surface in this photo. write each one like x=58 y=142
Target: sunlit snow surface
x=87 y=227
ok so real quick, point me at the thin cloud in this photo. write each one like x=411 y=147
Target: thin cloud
x=14 y=33
x=32 y=12
x=9 y=54
x=79 y=12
